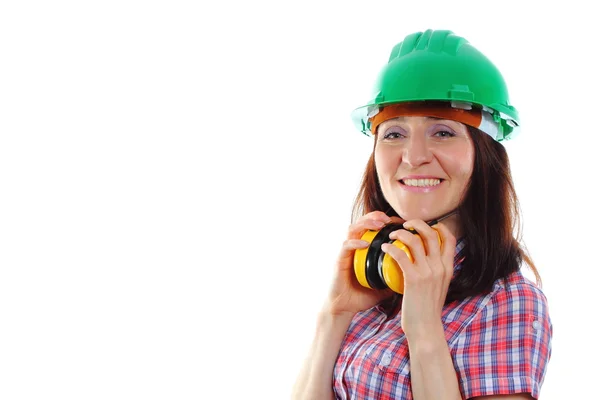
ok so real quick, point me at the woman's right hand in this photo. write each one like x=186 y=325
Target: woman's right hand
x=347 y=296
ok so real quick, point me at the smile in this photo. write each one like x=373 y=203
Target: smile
x=420 y=185
x=421 y=182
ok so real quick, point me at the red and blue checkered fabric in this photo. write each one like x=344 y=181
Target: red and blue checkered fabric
x=500 y=343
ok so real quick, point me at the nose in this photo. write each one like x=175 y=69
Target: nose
x=416 y=151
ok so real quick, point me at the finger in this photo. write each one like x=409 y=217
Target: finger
x=431 y=240
x=378 y=216
x=356 y=230
x=353 y=244
x=407 y=266
x=374 y=220
x=383 y=217
x=419 y=264
x=397 y=220
x=438 y=267
x=448 y=244
x=414 y=244
x=349 y=246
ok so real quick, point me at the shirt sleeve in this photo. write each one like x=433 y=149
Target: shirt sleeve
x=507 y=345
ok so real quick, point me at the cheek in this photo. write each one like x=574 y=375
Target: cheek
x=384 y=161
x=459 y=162
x=464 y=167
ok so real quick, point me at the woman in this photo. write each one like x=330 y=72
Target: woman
x=468 y=324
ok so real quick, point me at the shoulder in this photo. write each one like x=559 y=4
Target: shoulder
x=513 y=316
x=506 y=347
x=517 y=295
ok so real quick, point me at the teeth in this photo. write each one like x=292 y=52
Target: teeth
x=421 y=182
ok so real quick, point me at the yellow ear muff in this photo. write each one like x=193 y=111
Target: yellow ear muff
x=360 y=259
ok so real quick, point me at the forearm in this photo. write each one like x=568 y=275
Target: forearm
x=315 y=379
x=432 y=373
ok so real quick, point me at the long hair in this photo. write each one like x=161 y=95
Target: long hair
x=489 y=214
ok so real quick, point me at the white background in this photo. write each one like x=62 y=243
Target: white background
x=176 y=179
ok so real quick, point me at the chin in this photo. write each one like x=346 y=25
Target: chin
x=423 y=215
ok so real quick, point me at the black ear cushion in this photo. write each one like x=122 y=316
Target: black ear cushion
x=374 y=255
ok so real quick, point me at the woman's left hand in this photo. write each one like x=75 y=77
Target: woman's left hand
x=426 y=280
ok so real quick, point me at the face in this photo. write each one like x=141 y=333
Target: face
x=423 y=165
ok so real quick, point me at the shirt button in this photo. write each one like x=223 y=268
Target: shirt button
x=385 y=361
x=537 y=325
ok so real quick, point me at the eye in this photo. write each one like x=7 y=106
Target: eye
x=445 y=133
x=393 y=133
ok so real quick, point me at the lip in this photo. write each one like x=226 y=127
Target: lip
x=420 y=189
x=420 y=177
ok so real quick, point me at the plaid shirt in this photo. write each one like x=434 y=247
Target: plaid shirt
x=500 y=343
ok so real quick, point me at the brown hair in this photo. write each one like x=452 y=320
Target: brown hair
x=489 y=214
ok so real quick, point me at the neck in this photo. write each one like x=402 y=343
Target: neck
x=453 y=224
x=451 y=221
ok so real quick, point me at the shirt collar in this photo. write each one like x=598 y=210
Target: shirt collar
x=459 y=253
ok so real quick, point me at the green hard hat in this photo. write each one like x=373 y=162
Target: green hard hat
x=440 y=66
